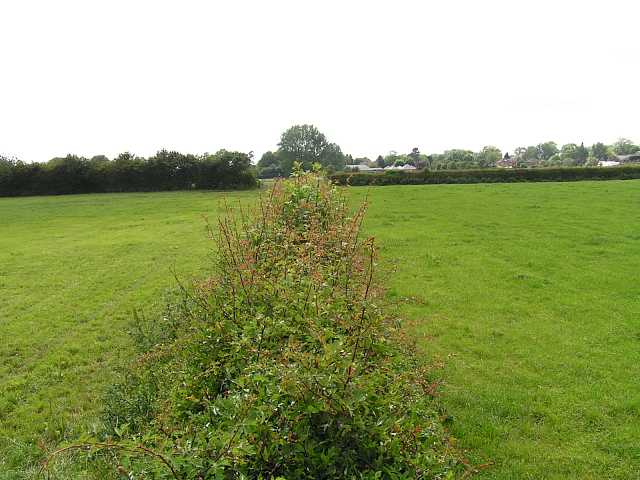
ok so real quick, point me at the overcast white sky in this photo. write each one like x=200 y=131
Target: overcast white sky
x=93 y=77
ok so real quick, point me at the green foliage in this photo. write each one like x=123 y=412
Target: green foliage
x=393 y=157
x=362 y=160
x=488 y=157
x=624 y=146
x=581 y=155
x=127 y=173
x=495 y=175
x=526 y=156
x=546 y=150
x=304 y=144
x=6 y=167
x=269 y=166
x=415 y=157
x=546 y=154
x=568 y=154
x=307 y=145
x=99 y=158
x=600 y=151
x=455 y=158
x=282 y=362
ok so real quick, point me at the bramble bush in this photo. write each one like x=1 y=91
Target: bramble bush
x=282 y=364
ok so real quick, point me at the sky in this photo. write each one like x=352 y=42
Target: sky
x=102 y=77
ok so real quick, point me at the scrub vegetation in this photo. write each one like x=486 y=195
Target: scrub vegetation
x=279 y=363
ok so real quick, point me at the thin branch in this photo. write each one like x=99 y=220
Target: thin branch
x=108 y=446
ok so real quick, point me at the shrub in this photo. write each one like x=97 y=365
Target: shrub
x=494 y=175
x=282 y=363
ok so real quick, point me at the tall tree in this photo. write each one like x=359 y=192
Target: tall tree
x=458 y=158
x=488 y=156
x=392 y=157
x=414 y=156
x=624 y=146
x=269 y=165
x=581 y=155
x=6 y=162
x=600 y=151
x=568 y=154
x=525 y=156
x=307 y=145
x=547 y=150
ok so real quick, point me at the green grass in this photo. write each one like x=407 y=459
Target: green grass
x=528 y=293
x=72 y=269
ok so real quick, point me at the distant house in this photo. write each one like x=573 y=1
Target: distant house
x=406 y=166
x=608 y=163
x=633 y=158
x=506 y=162
x=363 y=167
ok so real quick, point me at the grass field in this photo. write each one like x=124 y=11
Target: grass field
x=528 y=293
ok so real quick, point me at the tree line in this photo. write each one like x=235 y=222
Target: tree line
x=170 y=170
x=166 y=170
x=305 y=143
x=547 y=154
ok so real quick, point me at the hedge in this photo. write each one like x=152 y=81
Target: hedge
x=164 y=171
x=494 y=175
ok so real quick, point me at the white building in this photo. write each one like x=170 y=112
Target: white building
x=608 y=163
x=400 y=167
x=363 y=167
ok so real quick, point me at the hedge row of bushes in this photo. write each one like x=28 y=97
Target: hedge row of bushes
x=487 y=176
x=127 y=173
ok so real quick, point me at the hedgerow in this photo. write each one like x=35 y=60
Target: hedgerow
x=164 y=171
x=490 y=175
x=281 y=364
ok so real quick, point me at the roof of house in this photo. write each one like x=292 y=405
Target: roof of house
x=406 y=166
x=629 y=158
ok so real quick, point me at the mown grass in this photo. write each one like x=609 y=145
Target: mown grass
x=72 y=269
x=529 y=294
